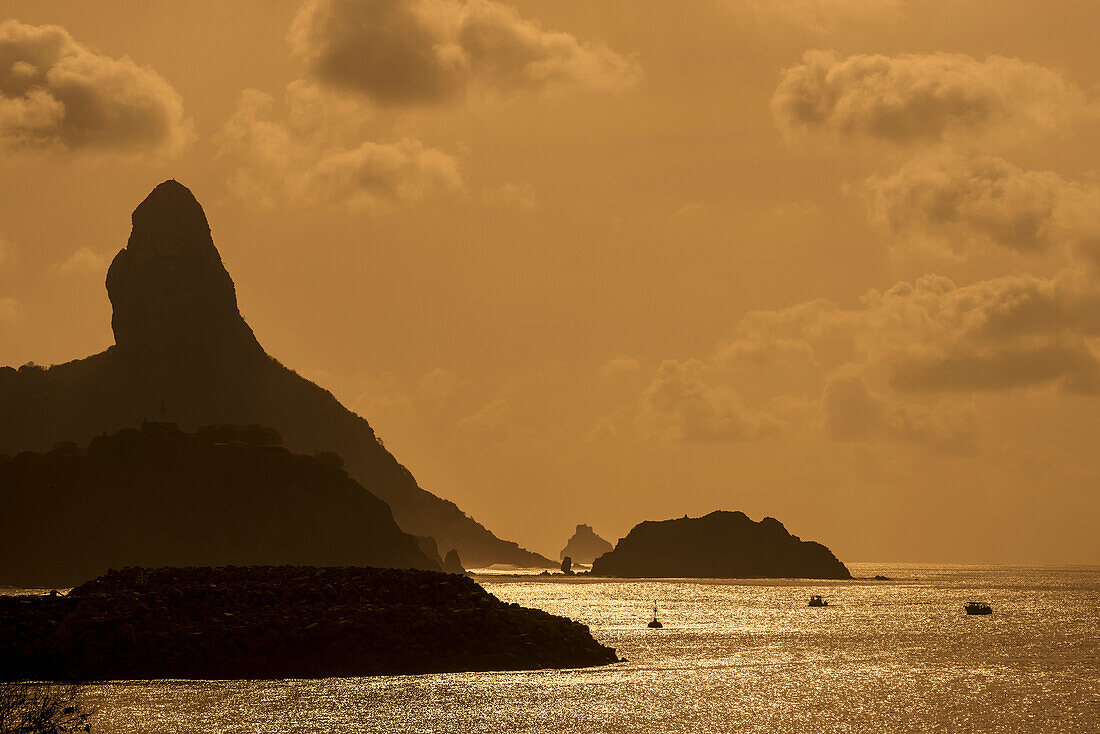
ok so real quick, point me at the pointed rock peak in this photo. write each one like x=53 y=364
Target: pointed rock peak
x=168 y=212
x=168 y=287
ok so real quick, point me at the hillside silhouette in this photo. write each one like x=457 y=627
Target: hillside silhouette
x=226 y=495
x=184 y=353
x=719 y=545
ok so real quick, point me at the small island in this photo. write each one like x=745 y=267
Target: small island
x=719 y=545
x=280 y=622
x=585 y=546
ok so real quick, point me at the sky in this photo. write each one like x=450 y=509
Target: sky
x=833 y=261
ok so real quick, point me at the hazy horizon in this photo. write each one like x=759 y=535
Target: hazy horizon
x=829 y=261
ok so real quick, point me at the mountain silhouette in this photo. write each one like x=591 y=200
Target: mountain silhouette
x=224 y=496
x=184 y=353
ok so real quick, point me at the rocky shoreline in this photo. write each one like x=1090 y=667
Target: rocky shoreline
x=280 y=622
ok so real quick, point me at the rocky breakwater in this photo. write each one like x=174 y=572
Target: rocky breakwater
x=280 y=622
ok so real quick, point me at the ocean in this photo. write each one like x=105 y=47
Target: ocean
x=734 y=656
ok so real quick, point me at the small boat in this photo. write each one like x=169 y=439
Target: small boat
x=817 y=601
x=656 y=623
x=978 y=607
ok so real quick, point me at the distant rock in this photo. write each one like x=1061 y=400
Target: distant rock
x=585 y=546
x=184 y=353
x=428 y=547
x=452 y=563
x=567 y=566
x=285 y=622
x=718 y=545
x=225 y=495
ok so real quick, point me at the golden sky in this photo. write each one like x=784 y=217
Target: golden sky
x=833 y=261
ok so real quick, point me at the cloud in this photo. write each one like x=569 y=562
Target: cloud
x=297 y=158
x=924 y=98
x=381 y=395
x=436 y=386
x=690 y=208
x=58 y=94
x=402 y=52
x=957 y=204
x=491 y=424
x=680 y=405
x=603 y=432
x=11 y=310
x=515 y=196
x=904 y=366
x=933 y=336
x=822 y=16
x=86 y=260
x=852 y=412
x=618 y=366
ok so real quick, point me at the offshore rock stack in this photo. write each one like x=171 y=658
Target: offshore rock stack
x=269 y=622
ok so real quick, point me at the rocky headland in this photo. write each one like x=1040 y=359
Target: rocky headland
x=585 y=546
x=280 y=622
x=719 y=545
x=183 y=353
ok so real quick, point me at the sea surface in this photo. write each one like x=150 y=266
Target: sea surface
x=734 y=656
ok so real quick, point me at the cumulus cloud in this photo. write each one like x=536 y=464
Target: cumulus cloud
x=958 y=203
x=56 y=93
x=297 y=157
x=399 y=52
x=822 y=16
x=924 y=98
x=681 y=405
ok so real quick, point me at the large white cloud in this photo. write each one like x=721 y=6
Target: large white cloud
x=429 y=51
x=961 y=203
x=924 y=98
x=56 y=93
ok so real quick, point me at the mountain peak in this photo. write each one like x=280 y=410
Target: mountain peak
x=170 y=292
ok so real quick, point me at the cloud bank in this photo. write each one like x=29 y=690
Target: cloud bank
x=58 y=94
x=901 y=367
x=415 y=52
x=924 y=98
x=933 y=336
